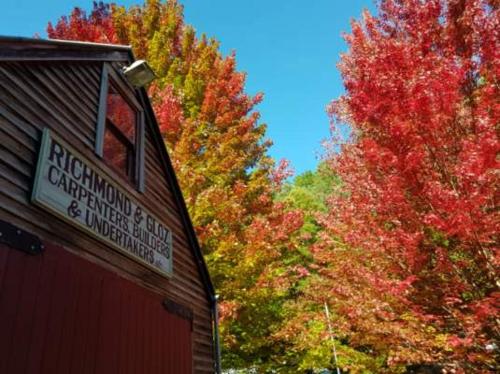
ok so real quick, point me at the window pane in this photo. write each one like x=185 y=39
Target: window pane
x=121 y=114
x=115 y=151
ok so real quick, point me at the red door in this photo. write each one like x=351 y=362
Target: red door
x=62 y=314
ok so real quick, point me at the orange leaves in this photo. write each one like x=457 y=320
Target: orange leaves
x=228 y=310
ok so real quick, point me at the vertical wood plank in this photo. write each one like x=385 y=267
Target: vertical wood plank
x=124 y=365
x=81 y=318
x=58 y=304
x=148 y=333
x=4 y=256
x=9 y=303
x=69 y=321
x=163 y=354
x=153 y=356
x=26 y=313
x=133 y=343
x=90 y=351
x=42 y=309
x=106 y=359
x=140 y=302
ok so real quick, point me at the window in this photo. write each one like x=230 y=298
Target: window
x=120 y=128
x=119 y=135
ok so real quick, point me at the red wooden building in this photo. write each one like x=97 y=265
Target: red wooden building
x=100 y=268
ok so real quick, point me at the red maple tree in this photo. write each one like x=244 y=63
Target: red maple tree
x=421 y=171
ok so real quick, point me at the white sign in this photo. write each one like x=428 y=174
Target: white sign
x=67 y=185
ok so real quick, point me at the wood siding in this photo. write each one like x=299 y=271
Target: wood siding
x=64 y=96
x=62 y=314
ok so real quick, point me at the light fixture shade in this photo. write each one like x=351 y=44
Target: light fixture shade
x=139 y=73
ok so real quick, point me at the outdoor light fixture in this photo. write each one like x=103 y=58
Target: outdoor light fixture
x=139 y=73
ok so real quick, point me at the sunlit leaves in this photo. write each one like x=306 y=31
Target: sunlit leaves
x=422 y=178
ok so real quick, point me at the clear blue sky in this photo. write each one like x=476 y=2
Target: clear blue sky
x=289 y=49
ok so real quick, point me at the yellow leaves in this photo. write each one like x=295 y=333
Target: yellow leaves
x=442 y=341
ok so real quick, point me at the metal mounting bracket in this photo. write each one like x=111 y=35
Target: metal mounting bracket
x=19 y=239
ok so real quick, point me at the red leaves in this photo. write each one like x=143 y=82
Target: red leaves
x=404 y=285
x=281 y=172
x=457 y=342
x=422 y=170
x=96 y=27
x=487 y=308
x=169 y=112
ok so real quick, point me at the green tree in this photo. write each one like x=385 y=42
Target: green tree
x=304 y=327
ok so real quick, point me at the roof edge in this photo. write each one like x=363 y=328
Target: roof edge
x=64 y=43
x=177 y=193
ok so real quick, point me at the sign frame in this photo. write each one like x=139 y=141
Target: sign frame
x=37 y=198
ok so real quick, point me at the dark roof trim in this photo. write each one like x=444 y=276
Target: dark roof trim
x=44 y=43
x=172 y=180
x=20 y=48
x=29 y=49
